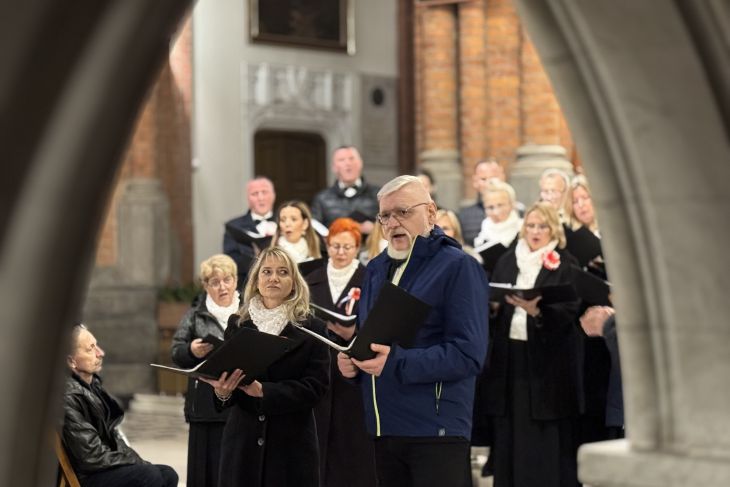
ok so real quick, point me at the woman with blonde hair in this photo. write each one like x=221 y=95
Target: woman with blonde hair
x=270 y=437
x=295 y=232
x=596 y=358
x=218 y=276
x=449 y=223
x=501 y=223
x=530 y=385
x=582 y=212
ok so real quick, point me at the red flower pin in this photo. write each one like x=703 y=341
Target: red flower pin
x=551 y=260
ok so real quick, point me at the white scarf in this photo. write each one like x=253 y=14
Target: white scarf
x=299 y=250
x=222 y=313
x=271 y=321
x=503 y=232
x=529 y=264
x=338 y=278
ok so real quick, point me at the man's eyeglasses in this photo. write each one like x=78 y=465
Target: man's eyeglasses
x=215 y=282
x=337 y=247
x=399 y=214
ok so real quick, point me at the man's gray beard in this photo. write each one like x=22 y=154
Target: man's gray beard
x=402 y=254
x=397 y=254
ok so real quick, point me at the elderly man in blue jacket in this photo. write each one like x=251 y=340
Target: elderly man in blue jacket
x=418 y=400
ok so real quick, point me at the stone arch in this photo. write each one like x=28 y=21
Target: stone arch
x=73 y=80
x=644 y=86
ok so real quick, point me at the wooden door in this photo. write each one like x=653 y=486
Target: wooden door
x=295 y=161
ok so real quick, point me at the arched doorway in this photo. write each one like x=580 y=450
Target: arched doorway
x=295 y=161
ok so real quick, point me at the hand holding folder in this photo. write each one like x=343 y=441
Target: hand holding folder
x=560 y=293
x=329 y=315
x=395 y=317
x=490 y=252
x=250 y=350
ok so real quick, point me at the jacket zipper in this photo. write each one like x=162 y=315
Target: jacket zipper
x=375 y=406
x=439 y=386
x=195 y=394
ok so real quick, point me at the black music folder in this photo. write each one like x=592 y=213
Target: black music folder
x=591 y=288
x=308 y=266
x=395 y=317
x=213 y=340
x=583 y=245
x=250 y=350
x=490 y=253
x=559 y=293
x=329 y=315
x=248 y=237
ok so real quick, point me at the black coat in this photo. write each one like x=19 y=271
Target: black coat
x=346 y=449
x=197 y=323
x=90 y=434
x=243 y=254
x=331 y=203
x=272 y=441
x=551 y=349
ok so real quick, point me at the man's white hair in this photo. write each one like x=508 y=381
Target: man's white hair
x=399 y=182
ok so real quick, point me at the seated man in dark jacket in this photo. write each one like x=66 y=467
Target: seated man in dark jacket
x=98 y=452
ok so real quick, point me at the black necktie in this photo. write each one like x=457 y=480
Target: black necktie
x=394 y=264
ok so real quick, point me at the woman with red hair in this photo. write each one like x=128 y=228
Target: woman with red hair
x=346 y=451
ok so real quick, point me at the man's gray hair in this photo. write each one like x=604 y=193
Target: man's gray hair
x=397 y=183
x=555 y=172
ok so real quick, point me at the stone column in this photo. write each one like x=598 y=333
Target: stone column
x=121 y=305
x=144 y=233
x=531 y=161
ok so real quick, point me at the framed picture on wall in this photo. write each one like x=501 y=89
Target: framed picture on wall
x=324 y=24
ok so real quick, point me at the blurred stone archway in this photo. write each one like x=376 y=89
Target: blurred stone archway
x=644 y=86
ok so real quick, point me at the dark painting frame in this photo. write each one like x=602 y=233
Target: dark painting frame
x=322 y=24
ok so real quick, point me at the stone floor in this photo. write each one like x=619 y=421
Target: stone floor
x=156 y=428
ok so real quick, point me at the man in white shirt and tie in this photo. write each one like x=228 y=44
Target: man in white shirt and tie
x=351 y=196
x=258 y=220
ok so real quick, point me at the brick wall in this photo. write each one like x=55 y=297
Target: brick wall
x=505 y=99
x=160 y=148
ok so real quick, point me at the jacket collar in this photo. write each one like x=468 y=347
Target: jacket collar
x=424 y=248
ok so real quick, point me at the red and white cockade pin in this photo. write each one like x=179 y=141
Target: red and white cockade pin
x=551 y=260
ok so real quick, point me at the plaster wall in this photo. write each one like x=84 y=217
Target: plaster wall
x=223 y=125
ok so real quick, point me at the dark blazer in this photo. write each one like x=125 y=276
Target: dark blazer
x=331 y=203
x=615 y=397
x=272 y=441
x=551 y=349
x=345 y=448
x=243 y=254
x=470 y=219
